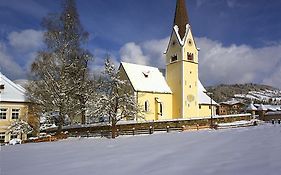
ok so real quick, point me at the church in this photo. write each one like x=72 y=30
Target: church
x=179 y=93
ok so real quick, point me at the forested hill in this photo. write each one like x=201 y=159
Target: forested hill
x=245 y=92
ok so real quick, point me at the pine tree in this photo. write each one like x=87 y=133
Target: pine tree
x=60 y=71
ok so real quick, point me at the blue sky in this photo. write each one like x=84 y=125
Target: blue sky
x=240 y=40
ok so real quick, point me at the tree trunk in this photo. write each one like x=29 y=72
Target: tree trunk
x=113 y=129
x=83 y=117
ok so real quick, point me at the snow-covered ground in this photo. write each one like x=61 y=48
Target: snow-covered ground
x=239 y=151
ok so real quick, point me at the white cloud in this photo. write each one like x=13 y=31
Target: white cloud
x=8 y=66
x=131 y=52
x=26 y=40
x=146 y=53
x=217 y=63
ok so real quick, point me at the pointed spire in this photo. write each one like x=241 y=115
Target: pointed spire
x=181 y=17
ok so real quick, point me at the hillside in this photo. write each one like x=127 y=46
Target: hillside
x=246 y=93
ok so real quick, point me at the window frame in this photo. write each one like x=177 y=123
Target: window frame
x=15 y=114
x=3 y=113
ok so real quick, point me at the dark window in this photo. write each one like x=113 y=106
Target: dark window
x=174 y=58
x=199 y=106
x=146 y=106
x=2 y=137
x=161 y=109
x=15 y=113
x=189 y=56
x=14 y=136
x=1 y=86
x=3 y=113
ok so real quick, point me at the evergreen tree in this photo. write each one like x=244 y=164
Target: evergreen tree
x=60 y=71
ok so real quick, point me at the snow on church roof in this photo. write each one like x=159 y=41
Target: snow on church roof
x=150 y=79
x=146 y=78
x=11 y=92
x=203 y=97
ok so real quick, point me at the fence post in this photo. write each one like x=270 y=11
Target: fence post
x=150 y=130
x=88 y=133
x=168 y=128
x=279 y=122
x=272 y=121
x=197 y=126
x=182 y=128
x=133 y=131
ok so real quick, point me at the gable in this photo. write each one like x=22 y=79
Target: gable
x=11 y=92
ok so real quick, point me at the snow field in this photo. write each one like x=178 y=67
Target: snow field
x=252 y=150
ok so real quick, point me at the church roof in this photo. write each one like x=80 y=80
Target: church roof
x=11 y=92
x=203 y=97
x=146 y=78
x=150 y=79
x=181 y=18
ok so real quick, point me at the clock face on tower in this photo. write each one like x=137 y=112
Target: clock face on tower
x=190 y=98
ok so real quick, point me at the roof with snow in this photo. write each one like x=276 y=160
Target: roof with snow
x=262 y=108
x=231 y=102
x=251 y=107
x=11 y=92
x=203 y=97
x=181 y=17
x=146 y=78
x=150 y=79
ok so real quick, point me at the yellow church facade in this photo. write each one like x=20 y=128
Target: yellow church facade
x=179 y=93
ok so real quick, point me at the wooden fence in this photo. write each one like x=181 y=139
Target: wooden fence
x=147 y=127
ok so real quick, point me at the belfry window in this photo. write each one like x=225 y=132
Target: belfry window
x=189 y=56
x=174 y=58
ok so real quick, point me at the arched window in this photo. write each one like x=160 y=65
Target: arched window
x=146 y=106
x=161 y=109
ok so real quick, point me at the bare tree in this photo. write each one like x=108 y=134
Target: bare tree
x=60 y=71
x=116 y=101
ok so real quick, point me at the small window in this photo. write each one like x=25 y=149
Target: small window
x=14 y=136
x=199 y=106
x=189 y=56
x=2 y=86
x=161 y=109
x=2 y=137
x=146 y=106
x=3 y=113
x=174 y=58
x=15 y=113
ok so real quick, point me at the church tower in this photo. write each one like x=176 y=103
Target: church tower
x=182 y=66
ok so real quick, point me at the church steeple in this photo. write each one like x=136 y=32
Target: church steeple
x=181 y=17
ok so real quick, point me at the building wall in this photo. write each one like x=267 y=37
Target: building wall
x=190 y=78
x=205 y=111
x=154 y=100
x=174 y=75
x=5 y=123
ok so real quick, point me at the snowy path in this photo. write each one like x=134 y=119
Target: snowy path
x=253 y=150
